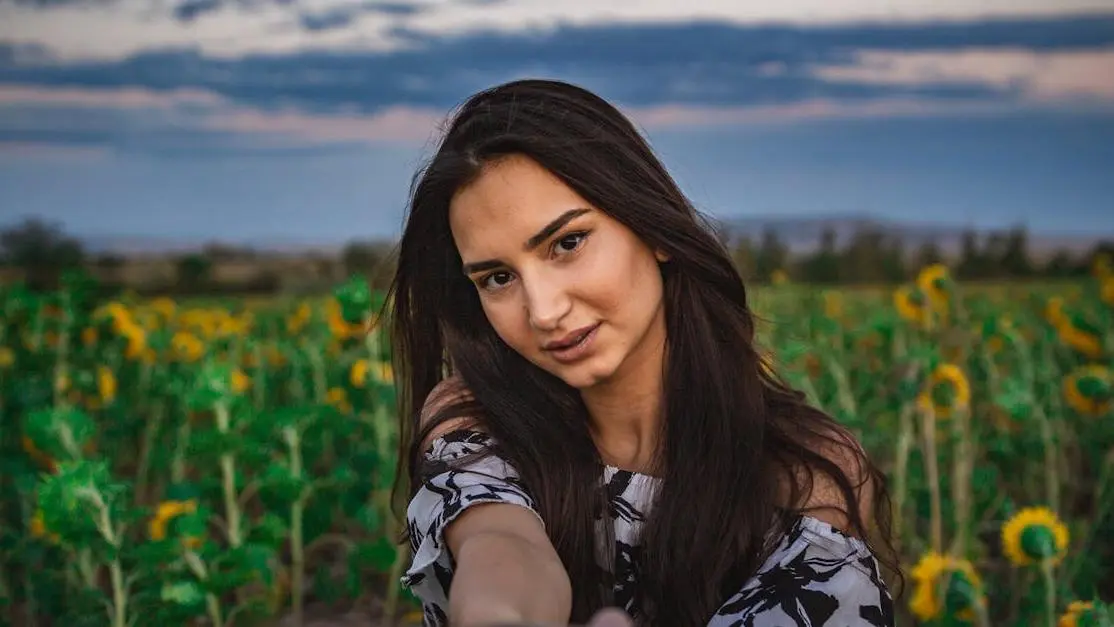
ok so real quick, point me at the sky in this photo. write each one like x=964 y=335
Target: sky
x=305 y=120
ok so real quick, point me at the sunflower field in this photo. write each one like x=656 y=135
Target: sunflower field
x=230 y=462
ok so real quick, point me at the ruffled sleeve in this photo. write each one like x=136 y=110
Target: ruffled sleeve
x=452 y=485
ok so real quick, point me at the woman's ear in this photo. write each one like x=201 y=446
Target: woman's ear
x=661 y=256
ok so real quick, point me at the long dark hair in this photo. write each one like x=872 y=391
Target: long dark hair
x=734 y=437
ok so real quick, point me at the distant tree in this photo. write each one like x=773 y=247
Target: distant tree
x=194 y=271
x=743 y=255
x=375 y=260
x=1061 y=265
x=823 y=265
x=893 y=261
x=1015 y=255
x=41 y=249
x=972 y=263
x=861 y=259
x=993 y=253
x=772 y=255
x=927 y=254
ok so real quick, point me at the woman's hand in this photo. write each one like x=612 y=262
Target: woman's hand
x=610 y=617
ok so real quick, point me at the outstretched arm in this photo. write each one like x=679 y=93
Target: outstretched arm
x=507 y=571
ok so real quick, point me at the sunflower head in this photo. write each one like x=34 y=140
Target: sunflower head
x=1033 y=535
x=358 y=373
x=910 y=302
x=935 y=281
x=1089 y=390
x=1081 y=336
x=945 y=586
x=159 y=527
x=1085 y=614
x=946 y=390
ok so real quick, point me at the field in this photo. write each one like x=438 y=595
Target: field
x=230 y=463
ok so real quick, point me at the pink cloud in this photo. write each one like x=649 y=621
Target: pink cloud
x=1044 y=76
x=16 y=151
x=126 y=98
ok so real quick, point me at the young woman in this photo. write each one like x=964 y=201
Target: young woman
x=588 y=422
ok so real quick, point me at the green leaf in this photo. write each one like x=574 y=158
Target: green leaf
x=186 y=593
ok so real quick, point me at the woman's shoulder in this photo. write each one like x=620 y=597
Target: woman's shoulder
x=449 y=392
x=821 y=488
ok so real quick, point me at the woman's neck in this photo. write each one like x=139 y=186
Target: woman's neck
x=626 y=412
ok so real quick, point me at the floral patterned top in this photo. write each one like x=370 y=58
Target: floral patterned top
x=816 y=576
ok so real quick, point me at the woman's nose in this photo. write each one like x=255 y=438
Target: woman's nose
x=547 y=302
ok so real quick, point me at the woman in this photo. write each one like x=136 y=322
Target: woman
x=592 y=423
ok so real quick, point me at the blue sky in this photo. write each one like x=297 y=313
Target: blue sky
x=304 y=120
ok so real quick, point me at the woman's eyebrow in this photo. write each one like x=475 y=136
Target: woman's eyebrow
x=535 y=240
x=554 y=226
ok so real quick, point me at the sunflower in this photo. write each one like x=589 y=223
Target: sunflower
x=935 y=281
x=1089 y=390
x=106 y=384
x=298 y=320
x=1034 y=534
x=338 y=398
x=358 y=374
x=187 y=347
x=341 y=328
x=910 y=303
x=165 y=513
x=945 y=584
x=1081 y=336
x=240 y=382
x=946 y=391
x=38 y=528
x=1086 y=614
x=1106 y=291
x=1054 y=311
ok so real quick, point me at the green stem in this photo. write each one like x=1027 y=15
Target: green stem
x=259 y=377
x=150 y=431
x=961 y=480
x=1051 y=473
x=1049 y=591
x=119 y=595
x=297 y=541
x=228 y=479
x=213 y=604
x=181 y=444
x=932 y=469
x=119 y=598
x=85 y=566
x=905 y=440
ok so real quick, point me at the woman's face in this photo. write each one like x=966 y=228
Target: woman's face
x=565 y=285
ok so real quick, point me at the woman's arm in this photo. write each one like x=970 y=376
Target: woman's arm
x=507 y=571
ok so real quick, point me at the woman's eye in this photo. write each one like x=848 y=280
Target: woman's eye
x=570 y=242
x=496 y=280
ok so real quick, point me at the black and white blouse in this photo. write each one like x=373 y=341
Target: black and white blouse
x=815 y=577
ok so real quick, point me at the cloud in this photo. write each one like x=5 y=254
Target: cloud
x=1037 y=76
x=115 y=29
x=703 y=64
x=189 y=10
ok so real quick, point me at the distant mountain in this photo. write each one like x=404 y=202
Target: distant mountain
x=138 y=245
x=802 y=234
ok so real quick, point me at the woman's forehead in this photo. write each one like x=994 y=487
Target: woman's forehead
x=508 y=203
